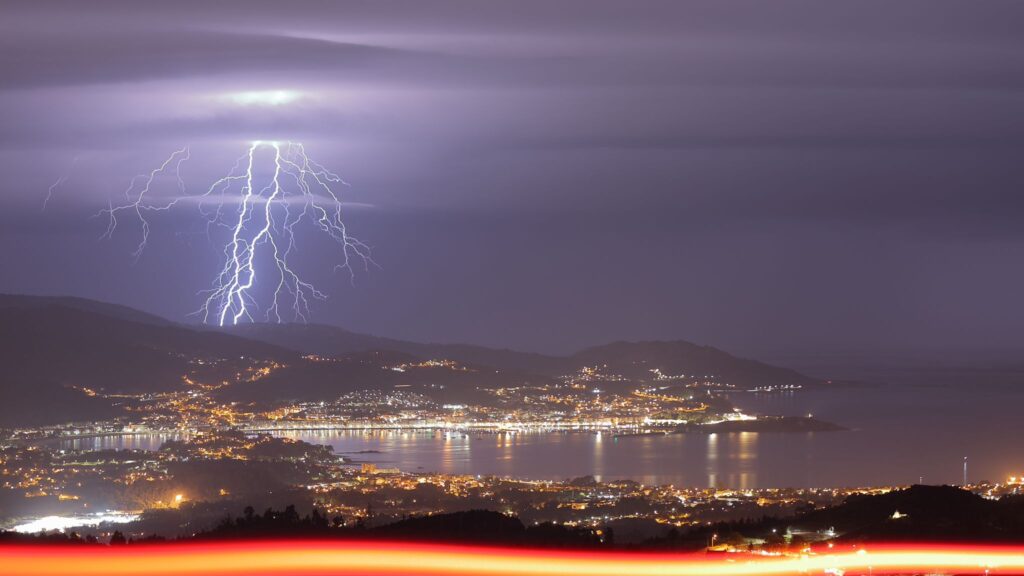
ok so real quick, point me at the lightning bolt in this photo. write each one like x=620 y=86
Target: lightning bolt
x=138 y=202
x=57 y=184
x=262 y=228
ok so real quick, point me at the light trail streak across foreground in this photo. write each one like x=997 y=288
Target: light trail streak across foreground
x=281 y=558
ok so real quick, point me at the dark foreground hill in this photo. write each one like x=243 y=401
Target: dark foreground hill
x=915 y=514
x=934 y=514
x=922 y=513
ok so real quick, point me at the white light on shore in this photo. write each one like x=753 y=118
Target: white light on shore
x=62 y=523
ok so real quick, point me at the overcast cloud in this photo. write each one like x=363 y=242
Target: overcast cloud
x=547 y=175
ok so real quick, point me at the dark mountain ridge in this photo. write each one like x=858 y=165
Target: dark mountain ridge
x=919 y=513
x=84 y=304
x=629 y=359
x=54 y=347
x=677 y=357
x=52 y=351
x=333 y=341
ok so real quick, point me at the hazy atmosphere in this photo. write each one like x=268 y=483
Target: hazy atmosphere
x=545 y=288
x=547 y=175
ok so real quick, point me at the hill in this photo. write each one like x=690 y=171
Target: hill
x=925 y=513
x=53 y=348
x=328 y=378
x=84 y=304
x=57 y=351
x=929 y=514
x=634 y=360
x=333 y=341
x=48 y=349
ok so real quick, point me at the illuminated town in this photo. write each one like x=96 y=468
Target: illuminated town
x=555 y=288
x=187 y=483
x=217 y=456
x=590 y=399
x=217 y=453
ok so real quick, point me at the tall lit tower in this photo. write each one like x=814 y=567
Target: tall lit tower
x=965 y=472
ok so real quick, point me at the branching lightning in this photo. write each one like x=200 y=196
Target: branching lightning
x=262 y=220
x=139 y=203
x=57 y=184
x=49 y=191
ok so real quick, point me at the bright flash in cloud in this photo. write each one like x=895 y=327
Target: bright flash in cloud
x=264 y=97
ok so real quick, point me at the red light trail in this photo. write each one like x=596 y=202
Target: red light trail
x=281 y=558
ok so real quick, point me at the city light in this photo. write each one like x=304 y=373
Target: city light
x=50 y=523
x=661 y=288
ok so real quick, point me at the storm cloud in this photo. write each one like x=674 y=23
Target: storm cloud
x=546 y=175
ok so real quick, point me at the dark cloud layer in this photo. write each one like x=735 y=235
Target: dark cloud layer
x=545 y=175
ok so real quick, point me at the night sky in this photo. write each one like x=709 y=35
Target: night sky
x=548 y=175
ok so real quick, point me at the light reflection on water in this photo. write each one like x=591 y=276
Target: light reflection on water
x=898 y=435
x=120 y=442
x=698 y=459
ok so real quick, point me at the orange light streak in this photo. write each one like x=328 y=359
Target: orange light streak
x=305 y=558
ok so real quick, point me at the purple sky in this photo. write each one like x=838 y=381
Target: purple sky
x=548 y=175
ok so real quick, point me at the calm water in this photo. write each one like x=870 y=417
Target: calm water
x=121 y=442
x=900 y=433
